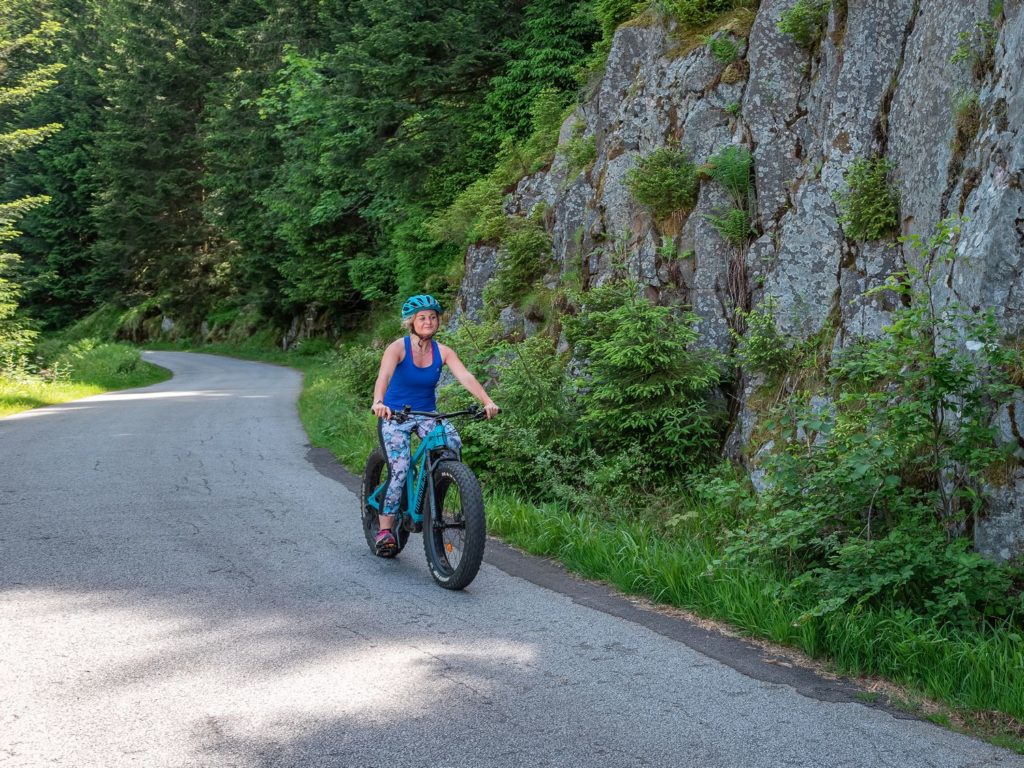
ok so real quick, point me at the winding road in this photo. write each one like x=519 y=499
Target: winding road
x=180 y=585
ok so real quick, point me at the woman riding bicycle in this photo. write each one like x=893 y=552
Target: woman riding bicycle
x=409 y=371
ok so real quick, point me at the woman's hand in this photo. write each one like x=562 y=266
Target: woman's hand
x=381 y=411
x=490 y=409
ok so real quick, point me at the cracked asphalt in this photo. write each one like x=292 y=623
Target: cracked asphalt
x=181 y=586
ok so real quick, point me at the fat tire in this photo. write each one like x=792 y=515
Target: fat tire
x=449 y=474
x=373 y=474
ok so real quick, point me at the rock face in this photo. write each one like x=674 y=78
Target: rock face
x=889 y=78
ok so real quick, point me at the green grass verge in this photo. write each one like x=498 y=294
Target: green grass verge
x=79 y=370
x=971 y=673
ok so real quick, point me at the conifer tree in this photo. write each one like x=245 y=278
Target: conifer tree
x=25 y=37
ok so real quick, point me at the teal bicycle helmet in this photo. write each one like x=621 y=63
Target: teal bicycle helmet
x=418 y=304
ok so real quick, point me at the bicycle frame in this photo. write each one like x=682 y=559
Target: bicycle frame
x=420 y=477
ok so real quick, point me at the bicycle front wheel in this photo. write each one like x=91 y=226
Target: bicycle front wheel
x=454 y=536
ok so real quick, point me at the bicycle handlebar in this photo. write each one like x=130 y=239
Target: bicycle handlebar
x=474 y=411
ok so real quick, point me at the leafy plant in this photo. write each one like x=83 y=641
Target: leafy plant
x=580 y=152
x=977 y=47
x=762 y=348
x=644 y=385
x=870 y=206
x=732 y=167
x=665 y=180
x=734 y=225
x=966 y=121
x=524 y=256
x=611 y=13
x=723 y=47
x=874 y=484
x=805 y=21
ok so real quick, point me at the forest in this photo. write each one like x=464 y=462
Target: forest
x=252 y=161
x=226 y=172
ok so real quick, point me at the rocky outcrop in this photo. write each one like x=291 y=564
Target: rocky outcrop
x=884 y=80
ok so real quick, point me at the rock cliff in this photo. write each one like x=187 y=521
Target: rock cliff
x=934 y=87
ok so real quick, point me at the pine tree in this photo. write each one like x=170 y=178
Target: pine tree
x=26 y=35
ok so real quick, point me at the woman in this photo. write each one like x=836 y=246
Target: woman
x=409 y=372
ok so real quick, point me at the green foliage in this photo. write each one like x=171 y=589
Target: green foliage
x=977 y=48
x=665 y=180
x=734 y=225
x=525 y=255
x=557 y=35
x=732 y=167
x=873 y=487
x=762 y=348
x=870 y=206
x=26 y=36
x=611 y=13
x=966 y=121
x=644 y=385
x=355 y=368
x=805 y=21
x=580 y=151
x=698 y=13
x=723 y=47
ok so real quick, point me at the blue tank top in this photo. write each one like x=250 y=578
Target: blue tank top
x=413 y=386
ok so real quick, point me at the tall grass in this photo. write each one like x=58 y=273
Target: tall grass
x=973 y=671
x=81 y=369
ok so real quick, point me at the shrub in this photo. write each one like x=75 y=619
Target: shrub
x=355 y=369
x=524 y=257
x=873 y=487
x=966 y=121
x=665 y=180
x=696 y=13
x=805 y=21
x=977 y=47
x=734 y=225
x=643 y=385
x=611 y=13
x=580 y=153
x=762 y=348
x=870 y=207
x=732 y=167
x=723 y=47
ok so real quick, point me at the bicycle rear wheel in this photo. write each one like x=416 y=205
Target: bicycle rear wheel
x=374 y=474
x=454 y=539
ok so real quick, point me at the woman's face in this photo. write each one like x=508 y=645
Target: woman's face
x=424 y=323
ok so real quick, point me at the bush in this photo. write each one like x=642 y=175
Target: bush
x=966 y=121
x=666 y=181
x=611 y=13
x=723 y=47
x=762 y=349
x=524 y=257
x=643 y=386
x=872 y=487
x=697 y=13
x=805 y=21
x=870 y=207
x=733 y=225
x=732 y=167
x=355 y=368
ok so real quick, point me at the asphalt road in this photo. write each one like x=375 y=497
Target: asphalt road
x=181 y=586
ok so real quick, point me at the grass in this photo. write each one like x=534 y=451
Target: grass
x=78 y=370
x=976 y=678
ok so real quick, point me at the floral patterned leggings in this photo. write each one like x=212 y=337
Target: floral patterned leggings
x=395 y=439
